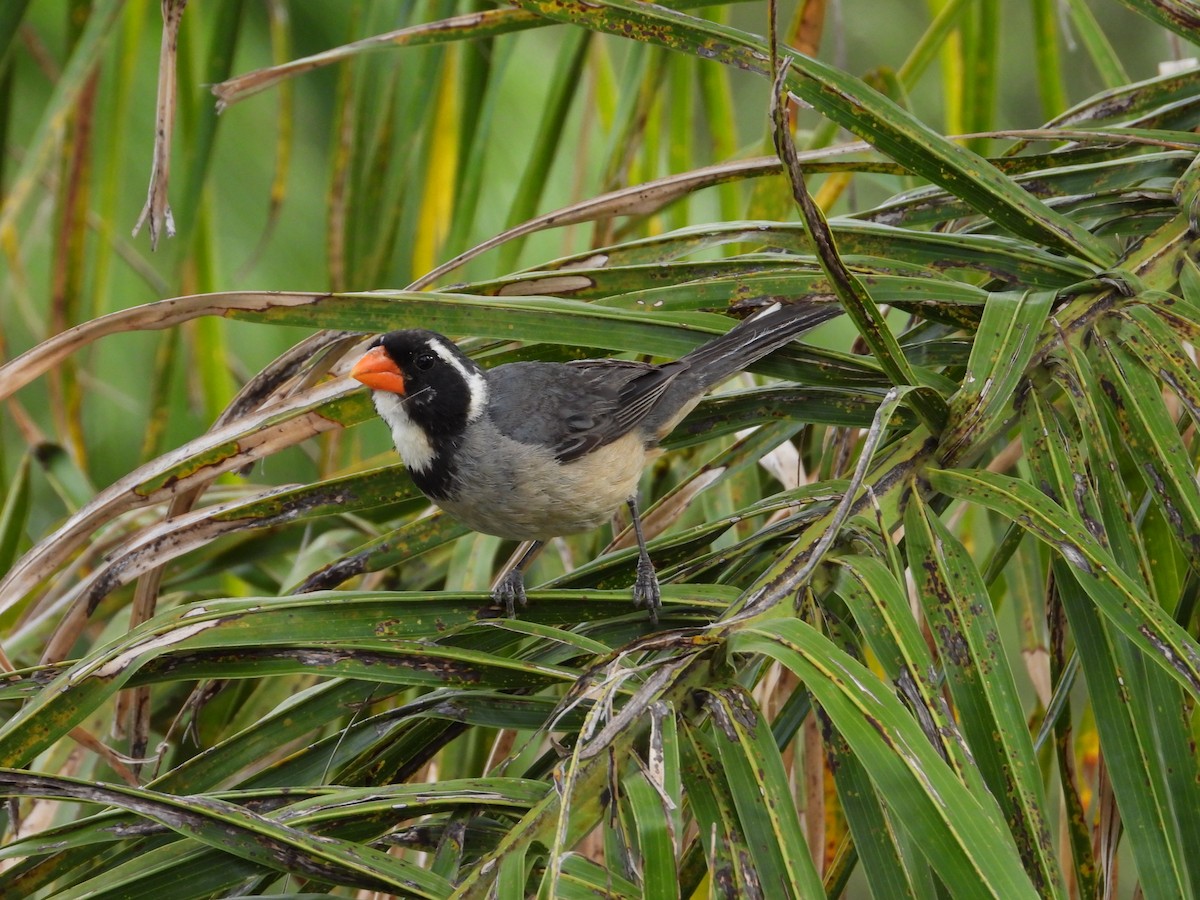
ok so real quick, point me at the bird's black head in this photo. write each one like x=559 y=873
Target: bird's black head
x=441 y=389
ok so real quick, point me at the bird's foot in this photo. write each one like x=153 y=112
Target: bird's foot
x=646 y=591
x=509 y=592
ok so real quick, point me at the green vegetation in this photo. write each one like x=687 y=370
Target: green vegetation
x=930 y=578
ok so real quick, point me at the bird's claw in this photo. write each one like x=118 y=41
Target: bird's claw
x=646 y=591
x=509 y=592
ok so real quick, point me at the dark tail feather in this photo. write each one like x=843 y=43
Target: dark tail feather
x=752 y=339
x=743 y=345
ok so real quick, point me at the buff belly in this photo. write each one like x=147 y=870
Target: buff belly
x=521 y=492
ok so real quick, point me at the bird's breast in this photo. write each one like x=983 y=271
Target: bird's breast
x=521 y=492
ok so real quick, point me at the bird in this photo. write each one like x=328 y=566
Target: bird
x=530 y=451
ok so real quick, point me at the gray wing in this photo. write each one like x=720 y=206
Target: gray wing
x=573 y=408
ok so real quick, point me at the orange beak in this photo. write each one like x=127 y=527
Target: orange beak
x=376 y=370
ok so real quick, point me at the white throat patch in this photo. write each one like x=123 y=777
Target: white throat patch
x=411 y=441
x=475 y=381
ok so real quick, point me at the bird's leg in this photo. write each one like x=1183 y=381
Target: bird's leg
x=646 y=591
x=510 y=589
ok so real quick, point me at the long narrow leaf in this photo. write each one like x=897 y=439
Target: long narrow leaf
x=964 y=839
x=1116 y=594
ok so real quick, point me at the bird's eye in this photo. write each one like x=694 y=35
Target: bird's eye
x=424 y=361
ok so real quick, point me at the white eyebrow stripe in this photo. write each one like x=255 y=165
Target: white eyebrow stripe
x=476 y=383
